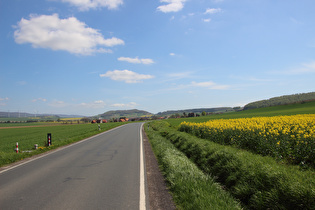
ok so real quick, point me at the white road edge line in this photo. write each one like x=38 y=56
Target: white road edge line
x=142 y=204
x=59 y=149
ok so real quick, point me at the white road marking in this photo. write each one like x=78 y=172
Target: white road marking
x=142 y=204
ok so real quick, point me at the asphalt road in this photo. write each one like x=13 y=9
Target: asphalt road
x=102 y=172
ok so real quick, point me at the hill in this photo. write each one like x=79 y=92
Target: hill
x=282 y=100
x=196 y=111
x=133 y=113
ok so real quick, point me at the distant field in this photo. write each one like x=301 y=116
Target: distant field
x=292 y=109
x=28 y=136
x=5 y=125
x=73 y=118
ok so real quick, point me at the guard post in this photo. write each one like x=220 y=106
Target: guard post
x=48 y=139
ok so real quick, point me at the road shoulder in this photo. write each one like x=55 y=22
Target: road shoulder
x=159 y=195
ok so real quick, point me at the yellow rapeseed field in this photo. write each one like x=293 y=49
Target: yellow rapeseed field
x=285 y=137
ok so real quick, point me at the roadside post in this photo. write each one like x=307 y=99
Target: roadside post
x=48 y=139
x=17 y=147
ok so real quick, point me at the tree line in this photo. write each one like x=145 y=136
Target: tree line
x=282 y=100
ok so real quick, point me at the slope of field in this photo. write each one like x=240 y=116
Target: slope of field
x=291 y=109
x=282 y=100
x=254 y=180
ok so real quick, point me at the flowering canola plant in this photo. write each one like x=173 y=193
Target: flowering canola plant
x=291 y=138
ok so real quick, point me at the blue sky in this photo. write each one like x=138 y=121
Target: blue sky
x=90 y=56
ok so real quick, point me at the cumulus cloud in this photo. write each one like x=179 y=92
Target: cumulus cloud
x=39 y=99
x=93 y=4
x=213 y=10
x=58 y=104
x=180 y=75
x=304 y=68
x=171 y=5
x=206 y=20
x=51 y=32
x=94 y=105
x=136 y=60
x=126 y=76
x=3 y=101
x=129 y=105
x=210 y=85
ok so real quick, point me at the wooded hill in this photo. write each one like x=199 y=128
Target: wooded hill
x=198 y=111
x=282 y=100
x=133 y=113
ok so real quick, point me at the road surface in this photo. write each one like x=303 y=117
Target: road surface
x=102 y=172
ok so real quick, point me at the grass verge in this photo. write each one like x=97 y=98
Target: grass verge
x=190 y=187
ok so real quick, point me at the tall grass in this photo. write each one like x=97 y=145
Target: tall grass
x=190 y=187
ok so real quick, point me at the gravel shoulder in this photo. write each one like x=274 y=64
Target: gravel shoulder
x=159 y=195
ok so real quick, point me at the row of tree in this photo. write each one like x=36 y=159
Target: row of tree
x=282 y=100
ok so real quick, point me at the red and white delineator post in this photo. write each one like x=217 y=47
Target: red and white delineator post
x=48 y=139
x=17 y=147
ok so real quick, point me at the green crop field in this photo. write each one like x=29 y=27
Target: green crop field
x=250 y=173
x=27 y=137
x=292 y=109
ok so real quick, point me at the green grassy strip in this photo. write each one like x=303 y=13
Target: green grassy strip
x=258 y=182
x=28 y=136
x=291 y=109
x=190 y=187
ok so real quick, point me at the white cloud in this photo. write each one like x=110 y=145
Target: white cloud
x=250 y=78
x=147 y=61
x=126 y=76
x=136 y=60
x=49 y=31
x=212 y=10
x=172 y=54
x=206 y=20
x=305 y=68
x=94 y=105
x=58 y=104
x=210 y=85
x=39 y=99
x=180 y=75
x=4 y=99
x=93 y=4
x=171 y=6
x=129 y=105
